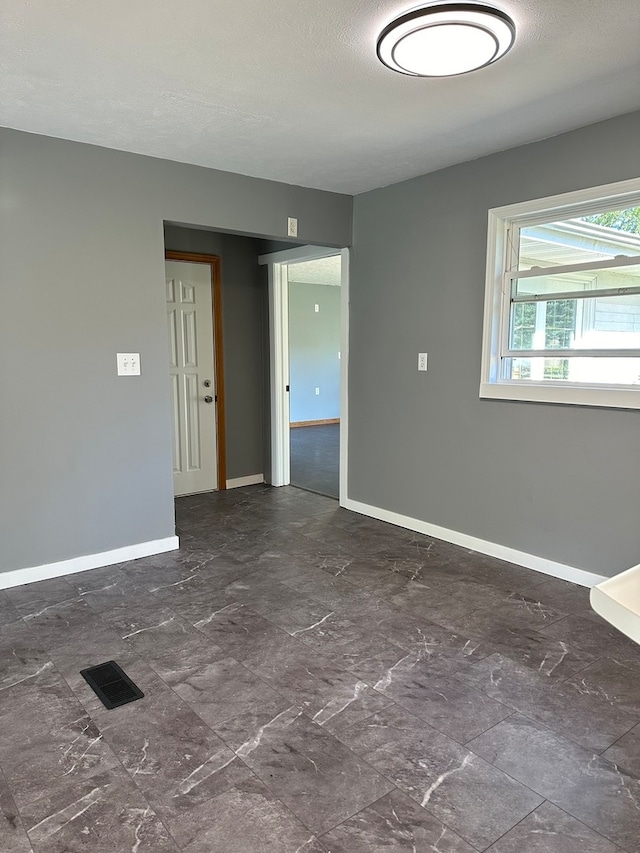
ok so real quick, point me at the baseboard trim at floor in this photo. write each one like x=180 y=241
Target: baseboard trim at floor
x=296 y=424
x=491 y=549
x=250 y=480
x=17 y=577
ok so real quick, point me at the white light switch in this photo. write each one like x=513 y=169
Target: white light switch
x=422 y=361
x=292 y=227
x=128 y=363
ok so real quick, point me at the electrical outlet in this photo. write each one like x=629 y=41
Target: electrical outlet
x=316 y=308
x=422 y=361
x=317 y=392
x=128 y=363
x=292 y=227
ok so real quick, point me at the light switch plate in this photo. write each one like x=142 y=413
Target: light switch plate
x=128 y=363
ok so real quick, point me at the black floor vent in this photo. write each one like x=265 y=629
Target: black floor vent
x=111 y=684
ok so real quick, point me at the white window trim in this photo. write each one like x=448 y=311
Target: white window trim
x=496 y=304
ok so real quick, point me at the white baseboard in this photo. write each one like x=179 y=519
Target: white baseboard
x=17 y=577
x=501 y=552
x=251 y=480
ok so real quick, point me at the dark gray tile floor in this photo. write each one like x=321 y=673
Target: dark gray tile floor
x=316 y=682
x=315 y=458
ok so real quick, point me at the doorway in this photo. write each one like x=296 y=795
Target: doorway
x=194 y=318
x=281 y=265
x=314 y=374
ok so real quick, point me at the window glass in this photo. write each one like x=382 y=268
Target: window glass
x=562 y=319
x=598 y=237
x=588 y=371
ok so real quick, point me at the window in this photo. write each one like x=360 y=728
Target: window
x=562 y=303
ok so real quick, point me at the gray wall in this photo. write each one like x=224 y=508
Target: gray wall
x=244 y=317
x=314 y=344
x=562 y=482
x=85 y=459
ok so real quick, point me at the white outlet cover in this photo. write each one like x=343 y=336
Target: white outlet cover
x=422 y=361
x=128 y=363
x=292 y=226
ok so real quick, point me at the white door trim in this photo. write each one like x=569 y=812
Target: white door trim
x=344 y=377
x=299 y=253
x=279 y=358
x=279 y=373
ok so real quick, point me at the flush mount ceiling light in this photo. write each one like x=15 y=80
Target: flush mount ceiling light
x=446 y=39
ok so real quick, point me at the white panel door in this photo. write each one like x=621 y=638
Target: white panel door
x=192 y=376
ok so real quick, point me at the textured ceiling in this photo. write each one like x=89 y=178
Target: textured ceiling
x=321 y=271
x=291 y=89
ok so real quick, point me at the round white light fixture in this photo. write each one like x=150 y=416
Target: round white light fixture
x=446 y=39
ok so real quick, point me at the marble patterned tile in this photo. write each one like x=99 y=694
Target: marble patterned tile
x=171 y=755
x=102 y=814
x=585 y=717
x=430 y=640
x=459 y=711
x=626 y=752
x=378 y=670
x=565 y=596
x=156 y=574
x=316 y=777
x=48 y=757
x=33 y=700
x=342 y=640
x=476 y=800
x=31 y=597
x=215 y=686
x=455 y=604
x=367 y=573
x=333 y=697
x=8 y=613
x=328 y=588
x=577 y=780
x=245 y=818
x=440 y=603
x=207 y=576
x=110 y=589
x=614 y=682
x=150 y=628
x=285 y=607
x=499 y=573
x=550 y=830
x=355 y=617
x=596 y=637
x=21 y=655
x=555 y=658
x=239 y=630
x=250 y=723
x=71 y=621
x=13 y=836
x=396 y=823
x=348 y=539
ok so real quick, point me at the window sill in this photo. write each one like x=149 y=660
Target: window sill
x=612 y=398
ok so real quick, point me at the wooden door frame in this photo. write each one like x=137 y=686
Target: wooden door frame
x=213 y=262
